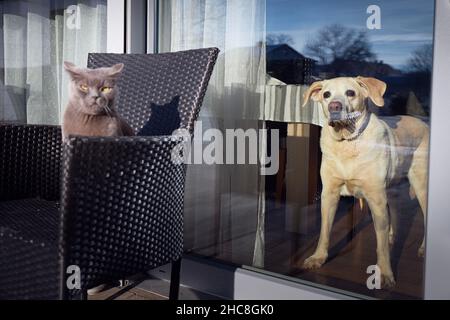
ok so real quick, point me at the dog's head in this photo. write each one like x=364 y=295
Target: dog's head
x=344 y=99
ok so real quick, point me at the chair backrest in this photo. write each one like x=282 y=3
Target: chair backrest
x=159 y=93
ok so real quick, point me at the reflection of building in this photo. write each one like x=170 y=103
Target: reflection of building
x=351 y=68
x=288 y=65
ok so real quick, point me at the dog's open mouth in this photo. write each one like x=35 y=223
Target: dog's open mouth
x=343 y=119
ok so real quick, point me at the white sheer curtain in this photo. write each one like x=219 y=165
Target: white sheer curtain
x=221 y=206
x=283 y=103
x=35 y=38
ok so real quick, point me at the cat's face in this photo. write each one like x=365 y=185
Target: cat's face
x=93 y=91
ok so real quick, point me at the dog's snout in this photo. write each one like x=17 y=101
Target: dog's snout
x=335 y=106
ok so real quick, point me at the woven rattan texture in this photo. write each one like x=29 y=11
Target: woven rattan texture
x=122 y=206
x=29 y=260
x=30 y=161
x=121 y=198
x=169 y=84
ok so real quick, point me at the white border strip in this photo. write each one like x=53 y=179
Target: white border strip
x=437 y=265
x=228 y=282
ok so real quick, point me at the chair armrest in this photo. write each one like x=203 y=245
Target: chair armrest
x=122 y=206
x=30 y=160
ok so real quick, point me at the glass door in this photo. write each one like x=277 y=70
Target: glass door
x=309 y=42
x=335 y=99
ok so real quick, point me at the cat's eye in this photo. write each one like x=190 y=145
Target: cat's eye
x=84 y=87
x=106 y=89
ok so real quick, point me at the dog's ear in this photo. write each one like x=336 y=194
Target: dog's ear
x=374 y=88
x=312 y=92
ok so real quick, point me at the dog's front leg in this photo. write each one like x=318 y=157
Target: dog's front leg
x=377 y=201
x=329 y=203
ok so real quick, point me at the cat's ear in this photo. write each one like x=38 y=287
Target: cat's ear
x=115 y=70
x=72 y=70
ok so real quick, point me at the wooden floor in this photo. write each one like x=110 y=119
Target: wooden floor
x=150 y=289
x=131 y=294
x=352 y=250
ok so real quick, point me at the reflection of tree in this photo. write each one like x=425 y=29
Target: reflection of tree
x=343 y=51
x=281 y=38
x=421 y=59
x=337 y=42
x=419 y=68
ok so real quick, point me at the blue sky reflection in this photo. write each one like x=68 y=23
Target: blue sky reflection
x=405 y=24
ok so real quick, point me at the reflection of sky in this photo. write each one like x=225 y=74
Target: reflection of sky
x=405 y=24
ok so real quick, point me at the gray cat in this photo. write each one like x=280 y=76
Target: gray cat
x=91 y=108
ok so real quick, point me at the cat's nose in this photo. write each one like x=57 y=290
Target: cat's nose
x=100 y=101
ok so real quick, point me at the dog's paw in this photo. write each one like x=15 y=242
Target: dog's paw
x=314 y=262
x=387 y=281
x=421 y=252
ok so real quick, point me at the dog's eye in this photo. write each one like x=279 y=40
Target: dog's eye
x=327 y=94
x=350 y=93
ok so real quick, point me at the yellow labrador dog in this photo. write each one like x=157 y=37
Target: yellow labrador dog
x=362 y=156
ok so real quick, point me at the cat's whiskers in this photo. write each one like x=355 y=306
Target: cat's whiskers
x=108 y=110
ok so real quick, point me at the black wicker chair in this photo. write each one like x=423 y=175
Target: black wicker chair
x=112 y=207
